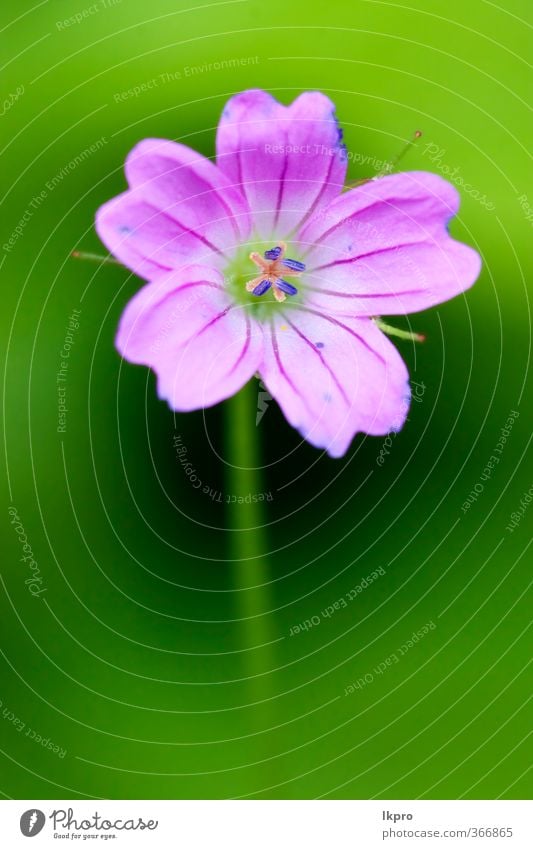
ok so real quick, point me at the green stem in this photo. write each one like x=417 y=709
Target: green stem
x=246 y=521
x=247 y=538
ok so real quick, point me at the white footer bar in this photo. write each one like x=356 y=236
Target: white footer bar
x=268 y=824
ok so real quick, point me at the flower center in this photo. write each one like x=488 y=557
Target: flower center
x=274 y=268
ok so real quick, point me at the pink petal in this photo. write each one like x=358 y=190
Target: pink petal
x=185 y=326
x=188 y=186
x=180 y=209
x=288 y=160
x=383 y=248
x=333 y=377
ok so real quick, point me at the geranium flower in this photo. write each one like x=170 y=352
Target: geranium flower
x=262 y=265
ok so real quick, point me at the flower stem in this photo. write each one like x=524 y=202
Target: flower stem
x=246 y=524
x=248 y=551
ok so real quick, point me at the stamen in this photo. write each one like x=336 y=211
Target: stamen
x=293 y=264
x=273 y=253
x=250 y=286
x=273 y=265
x=262 y=287
x=288 y=288
x=259 y=261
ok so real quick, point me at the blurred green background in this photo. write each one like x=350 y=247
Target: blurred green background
x=159 y=662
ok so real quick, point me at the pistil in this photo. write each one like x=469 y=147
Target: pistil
x=273 y=265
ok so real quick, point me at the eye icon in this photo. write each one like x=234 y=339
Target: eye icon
x=32 y=822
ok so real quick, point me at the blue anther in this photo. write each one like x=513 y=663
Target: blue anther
x=288 y=288
x=262 y=287
x=294 y=264
x=273 y=253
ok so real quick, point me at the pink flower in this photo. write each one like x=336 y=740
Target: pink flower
x=261 y=265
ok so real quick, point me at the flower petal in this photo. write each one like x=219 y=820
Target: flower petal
x=186 y=185
x=288 y=160
x=180 y=209
x=383 y=248
x=202 y=346
x=333 y=377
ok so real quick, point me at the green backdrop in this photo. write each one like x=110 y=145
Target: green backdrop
x=153 y=646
